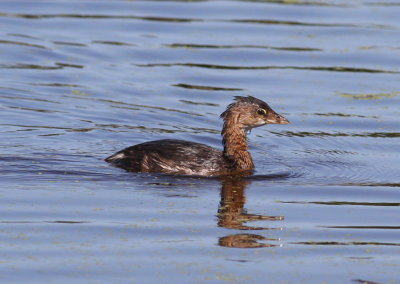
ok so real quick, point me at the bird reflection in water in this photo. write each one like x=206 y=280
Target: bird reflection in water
x=232 y=215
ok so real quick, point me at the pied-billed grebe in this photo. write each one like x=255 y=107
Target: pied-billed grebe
x=190 y=158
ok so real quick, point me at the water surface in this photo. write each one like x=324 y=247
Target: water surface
x=83 y=79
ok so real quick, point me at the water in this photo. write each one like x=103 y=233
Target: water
x=83 y=79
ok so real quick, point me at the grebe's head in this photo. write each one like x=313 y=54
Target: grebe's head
x=249 y=112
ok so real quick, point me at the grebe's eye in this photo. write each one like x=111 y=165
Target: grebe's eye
x=261 y=111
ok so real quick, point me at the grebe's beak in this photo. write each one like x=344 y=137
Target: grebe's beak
x=275 y=118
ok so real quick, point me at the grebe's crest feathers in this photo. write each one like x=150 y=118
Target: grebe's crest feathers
x=248 y=101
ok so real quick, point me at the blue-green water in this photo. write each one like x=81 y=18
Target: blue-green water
x=80 y=80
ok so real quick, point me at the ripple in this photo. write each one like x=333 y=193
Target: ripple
x=364 y=227
x=339 y=114
x=92 y=16
x=45 y=222
x=40 y=67
x=246 y=46
x=69 y=43
x=376 y=96
x=274 y=176
x=374 y=184
x=72 y=129
x=291 y=23
x=120 y=104
x=206 y=88
x=117 y=43
x=35 y=109
x=306 y=3
x=346 y=203
x=50 y=167
x=189 y=20
x=333 y=172
x=28 y=66
x=335 y=162
x=383 y=3
x=337 y=134
x=198 y=103
x=310 y=68
x=22 y=44
x=333 y=243
x=62 y=85
x=310 y=24
x=28 y=99
x=365 y=281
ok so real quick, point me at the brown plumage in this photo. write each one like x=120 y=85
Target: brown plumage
x=190 y=158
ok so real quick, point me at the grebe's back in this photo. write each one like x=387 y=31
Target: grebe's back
x=170 y=156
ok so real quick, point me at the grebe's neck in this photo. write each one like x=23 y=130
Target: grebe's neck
x=235 y=146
